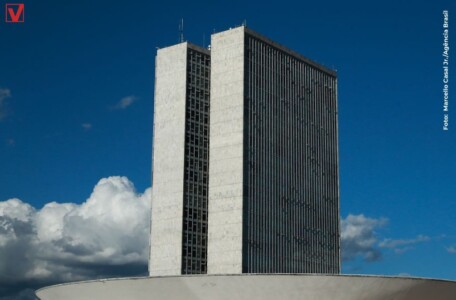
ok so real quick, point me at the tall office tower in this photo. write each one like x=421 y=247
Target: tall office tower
x=273 y=167
x=265 y=198
x=180 y=161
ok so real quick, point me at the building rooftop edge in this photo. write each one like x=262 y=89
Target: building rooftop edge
x=198 y=48
x=290 y=52
x=283 y=48
x=189 y=45
x=267 y=40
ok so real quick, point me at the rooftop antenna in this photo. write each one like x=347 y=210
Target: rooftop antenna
x=244 y=23
x=181 y=31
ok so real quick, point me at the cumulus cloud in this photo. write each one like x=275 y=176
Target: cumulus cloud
x=4 y=94
x=125 y=102
x=106 y=236
x=359 y=237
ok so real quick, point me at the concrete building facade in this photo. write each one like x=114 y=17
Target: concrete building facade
x=273 y=176
x=226 y=162
x=180 y=161
x=245 y=172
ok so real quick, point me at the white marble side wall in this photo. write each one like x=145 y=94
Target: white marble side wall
x=168 y=161
x=226 y=153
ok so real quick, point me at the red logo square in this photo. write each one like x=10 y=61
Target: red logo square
x=14 y=13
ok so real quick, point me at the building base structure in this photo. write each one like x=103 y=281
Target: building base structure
x=255 y=286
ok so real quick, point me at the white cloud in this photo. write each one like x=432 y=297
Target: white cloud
x=106 y=236
x=403 y=249
x=125 y=102
x=451 y=249
x=4 y=94
x=359 y=238
x=400 y=246
x=86 y=126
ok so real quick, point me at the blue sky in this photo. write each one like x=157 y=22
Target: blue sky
x=77 y=81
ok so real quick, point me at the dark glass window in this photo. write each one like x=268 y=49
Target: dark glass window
x=291 y=198
x=194 y=246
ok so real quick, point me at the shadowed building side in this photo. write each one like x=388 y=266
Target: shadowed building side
x=291 y=195
x=274 y=186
